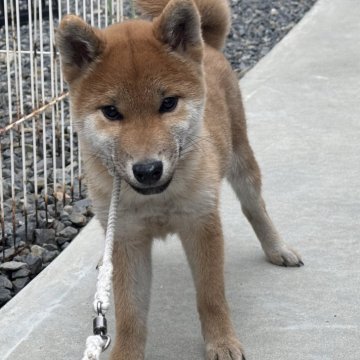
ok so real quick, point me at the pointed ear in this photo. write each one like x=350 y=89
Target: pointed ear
x=179 y=27
x=79 y=44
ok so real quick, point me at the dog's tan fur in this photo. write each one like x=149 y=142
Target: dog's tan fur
x=133 y=66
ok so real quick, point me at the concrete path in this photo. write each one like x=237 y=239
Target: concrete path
x=303 y=107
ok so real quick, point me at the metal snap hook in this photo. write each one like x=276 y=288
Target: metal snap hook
x=100 y=326
x=107 y=339
x=99 y=308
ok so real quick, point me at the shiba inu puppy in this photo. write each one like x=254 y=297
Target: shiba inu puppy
x=155 y=102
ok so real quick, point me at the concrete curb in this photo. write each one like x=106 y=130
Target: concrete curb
x=68 y=275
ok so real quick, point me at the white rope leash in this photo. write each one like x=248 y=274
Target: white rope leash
x=100 y=341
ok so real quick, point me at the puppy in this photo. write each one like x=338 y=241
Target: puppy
x=157 y=103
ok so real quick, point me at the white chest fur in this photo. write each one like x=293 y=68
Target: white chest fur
x=161 y=214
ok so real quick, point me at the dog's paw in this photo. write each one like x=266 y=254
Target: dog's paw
x=283 y=255
x=227 y=349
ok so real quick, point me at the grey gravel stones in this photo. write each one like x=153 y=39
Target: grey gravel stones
x=23 y=272
x=58 y=226
x=5 y=295
x=34 y=263
x=44 y=236
x=77 y=219
x=65 y=245
x=20 y=283
x=61 y=240
x=257 y=25
x=9 y=253
x=83 y=207
x=5 y=282
x=68 y=233
x=11 y=266
x=37 y=250
x=49 y=256
x=50 y=247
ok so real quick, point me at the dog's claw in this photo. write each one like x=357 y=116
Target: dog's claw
x=284 y=263
x=300 y=264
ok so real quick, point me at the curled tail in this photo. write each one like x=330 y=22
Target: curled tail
x=215 y=18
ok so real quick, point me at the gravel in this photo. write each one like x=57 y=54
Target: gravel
x=257 y=26
x=11 y=266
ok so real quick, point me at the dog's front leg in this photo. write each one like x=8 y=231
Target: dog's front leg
x=132 y=281
x=204 y=247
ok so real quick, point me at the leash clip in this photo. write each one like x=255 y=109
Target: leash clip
x=100 y=326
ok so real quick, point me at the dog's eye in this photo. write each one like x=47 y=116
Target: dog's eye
x=111 y=113
x=168 y=104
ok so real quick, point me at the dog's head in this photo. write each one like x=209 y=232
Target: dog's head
x=137 y=91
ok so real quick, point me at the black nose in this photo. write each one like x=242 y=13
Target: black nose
x=148 y=173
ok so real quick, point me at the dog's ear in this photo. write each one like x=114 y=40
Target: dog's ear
x=79 y=44
x=179 y=27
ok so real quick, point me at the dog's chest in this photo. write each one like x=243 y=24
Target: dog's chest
x=158 y=218
x=161 y=216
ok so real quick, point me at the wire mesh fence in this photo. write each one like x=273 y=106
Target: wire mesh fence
x=40 y=159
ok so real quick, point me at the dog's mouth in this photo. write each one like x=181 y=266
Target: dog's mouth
x=153 y=190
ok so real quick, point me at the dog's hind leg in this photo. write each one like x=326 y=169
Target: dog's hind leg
x=245 y=177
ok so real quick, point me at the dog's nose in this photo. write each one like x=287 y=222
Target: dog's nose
x=148 y=173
